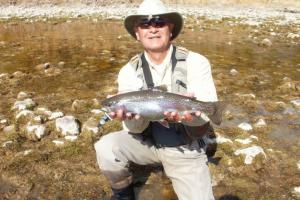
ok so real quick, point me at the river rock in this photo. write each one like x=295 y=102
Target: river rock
x=7 y=144
x=28 y=104
x=250 y=153
x=71 y=138
x=56 y=115
x=296 y=102
x=25 y=116
x=35 y=132
x=260 y=123
x=289 y=87
x=43 y=66
x=90 y=126
x=58 y=142
x=244 y=141
x=220 y=139
x=297 y=190
x=23 y=95
x=52 y=71
x=233 y=72
x=9 y=129
x=266 y=42
x=298 y=165
x=67 y=125
x=245 y=126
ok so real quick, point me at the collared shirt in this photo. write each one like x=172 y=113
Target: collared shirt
x=199 y=81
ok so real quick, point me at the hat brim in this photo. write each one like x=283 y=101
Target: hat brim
x=174 y=18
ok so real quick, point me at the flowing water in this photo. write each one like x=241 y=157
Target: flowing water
x=85 y=57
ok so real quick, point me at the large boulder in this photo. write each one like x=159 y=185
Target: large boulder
x=67 y=125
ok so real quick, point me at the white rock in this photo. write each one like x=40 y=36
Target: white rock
x=221 y=139
x=55 y=115
x=25 y=104
x=67 y=125
x=254 y=137
x=244 y=141
x=7 y=143
x=71 y=138
x=96 y=111
x=293 y=35
x=25 y=113
x=266 y=42
x=251 y=95
x=44 y=111
x=297 y=190
x=9 y=129
x=3 y=121
x=260 y=123
x=250 y=153
x=296 y=102
x=298 y=165
x=245 y=126
x=58 y=142
x=233 y=72
x=27 y=152
x=38 y=130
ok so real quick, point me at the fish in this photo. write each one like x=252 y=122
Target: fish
x=151 y=105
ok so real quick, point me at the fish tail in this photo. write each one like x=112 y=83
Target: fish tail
x=216 y=117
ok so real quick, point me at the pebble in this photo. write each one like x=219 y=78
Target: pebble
x=244 y=141
x=55 y=115
x=245 y=126
x=71 y=138
x=297 y=190
x=7 y=143
x=25 y=104
x=58 y=142
x=260 y=123
x=67 y=125
x=221 y=139
x=296 y=102
x=250 y=153
x=233 y=72
x=266 y=42
x=27 y=152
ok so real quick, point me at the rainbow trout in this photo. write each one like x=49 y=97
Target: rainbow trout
x=151 y=104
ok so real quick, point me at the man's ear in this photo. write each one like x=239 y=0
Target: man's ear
x=136 y=33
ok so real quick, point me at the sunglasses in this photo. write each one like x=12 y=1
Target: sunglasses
x=154 y=22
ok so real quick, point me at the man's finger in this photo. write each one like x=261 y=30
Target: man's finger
x=119 y=114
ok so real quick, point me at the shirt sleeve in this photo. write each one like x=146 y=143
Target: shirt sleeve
x=199 y=78
x=128 y=81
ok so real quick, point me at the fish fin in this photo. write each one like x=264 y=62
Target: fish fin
x=165 y=123
x=216 y=118
x=162 y=88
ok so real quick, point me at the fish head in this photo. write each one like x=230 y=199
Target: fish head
x=112 y=103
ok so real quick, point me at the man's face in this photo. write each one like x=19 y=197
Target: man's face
x=155 y=34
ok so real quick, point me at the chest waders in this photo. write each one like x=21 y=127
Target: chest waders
x=178 y=134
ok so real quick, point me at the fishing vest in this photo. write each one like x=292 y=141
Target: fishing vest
x=184 y=134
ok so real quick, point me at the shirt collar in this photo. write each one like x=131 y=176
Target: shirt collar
x=165 y=62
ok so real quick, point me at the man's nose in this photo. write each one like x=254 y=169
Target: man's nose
x=152 y=28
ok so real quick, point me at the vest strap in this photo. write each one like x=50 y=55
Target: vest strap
x=147 y=72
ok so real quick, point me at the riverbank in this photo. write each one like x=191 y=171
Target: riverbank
x=251 y=15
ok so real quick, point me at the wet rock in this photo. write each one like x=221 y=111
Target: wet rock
x=90 y=126
x=245 y=126
x=233 y=72
x=7 y=144
x=58 y=142
x=28 y=104
x=296 y=102
x=35 y=132
x=250 y=153
x=67 y=125
x=266 y=42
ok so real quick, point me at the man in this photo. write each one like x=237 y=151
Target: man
x=178 y=148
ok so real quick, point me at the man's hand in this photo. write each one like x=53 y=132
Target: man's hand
x=186 y=116
x=121 y=115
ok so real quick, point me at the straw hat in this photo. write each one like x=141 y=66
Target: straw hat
x=153 y=8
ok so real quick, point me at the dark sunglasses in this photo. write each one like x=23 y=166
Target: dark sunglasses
x=154 y=22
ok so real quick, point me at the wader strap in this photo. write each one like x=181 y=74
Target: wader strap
x=173 y=59
x=147 y=72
